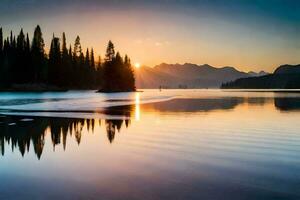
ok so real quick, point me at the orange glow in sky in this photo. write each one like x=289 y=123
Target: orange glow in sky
x=155 y=35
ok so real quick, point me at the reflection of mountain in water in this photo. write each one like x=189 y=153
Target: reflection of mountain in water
x=21 y=133
x=195 y=105
x=207 y=105
x=287 y=104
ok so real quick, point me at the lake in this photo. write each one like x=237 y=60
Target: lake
x=169 y=144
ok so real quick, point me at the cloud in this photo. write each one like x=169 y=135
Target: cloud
x=164 y=43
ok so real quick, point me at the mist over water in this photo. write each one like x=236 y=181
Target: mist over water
x=173 y=144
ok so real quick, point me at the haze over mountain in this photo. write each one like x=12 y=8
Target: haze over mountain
x=188 y=76
x=284 y=77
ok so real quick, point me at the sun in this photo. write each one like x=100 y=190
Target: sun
x=137 y=65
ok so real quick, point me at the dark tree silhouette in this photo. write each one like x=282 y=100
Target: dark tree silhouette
x=55 y=74
x=2 y=73
x=92 y=59
x=110 y=52
x=20 y=55
x=116 y=73
x=24 y=65
x=77 y=47
x=38 y=56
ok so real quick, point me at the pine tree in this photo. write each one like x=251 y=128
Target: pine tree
x=11 y=37
x=109 y=69
x=55 y=75
x=110 y=52
x=77 y=47
x=66 y=63
x=129 y=74
x=99 y=73
x=70 y=55
x=87 y=76
x=64 y=48
x=78 y=62
x=38 y=56
x=71 y=72
x=20 y=58
x=92 y=59
x=21 y=41
x=87 y=59
x=28 y=68
x=1 y=59
x=11 y=60
x=27 y=43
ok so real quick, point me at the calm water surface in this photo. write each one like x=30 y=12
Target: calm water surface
x=173 y=144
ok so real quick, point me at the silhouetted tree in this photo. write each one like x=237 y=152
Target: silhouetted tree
x=87 y=71
x=28 y=69
x=110 y=52
x=115 y=69
x=55 y=75
x=1 y=59
x=99 y=73
x=20 y=58
x=64 y=47
x=38 y=56
x=129 y=73
x=66 y=63
x=92 y=59
x=77 y=47
x=25 y=62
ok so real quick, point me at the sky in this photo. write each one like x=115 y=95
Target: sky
x=251 y=35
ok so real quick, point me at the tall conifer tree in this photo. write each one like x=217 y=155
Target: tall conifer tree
x=92 y=59
x=38 y=56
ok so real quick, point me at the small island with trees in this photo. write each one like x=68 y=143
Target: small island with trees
x=25 y=66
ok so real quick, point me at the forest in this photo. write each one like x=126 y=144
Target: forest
x=25 y=65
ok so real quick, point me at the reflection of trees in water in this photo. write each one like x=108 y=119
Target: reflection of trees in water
x=114 y=125
x=25 y=133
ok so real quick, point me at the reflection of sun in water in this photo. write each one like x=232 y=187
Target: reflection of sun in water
x=137 y=65
x=137 y=107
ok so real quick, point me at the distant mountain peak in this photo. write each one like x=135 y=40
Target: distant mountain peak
x=287 y=69
x=187 y=75
x=284 y=77
x=255 y=74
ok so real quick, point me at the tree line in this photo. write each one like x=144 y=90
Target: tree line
x=25 y=62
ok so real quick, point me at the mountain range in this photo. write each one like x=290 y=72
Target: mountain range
x=284 y=77
x=188 y=76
